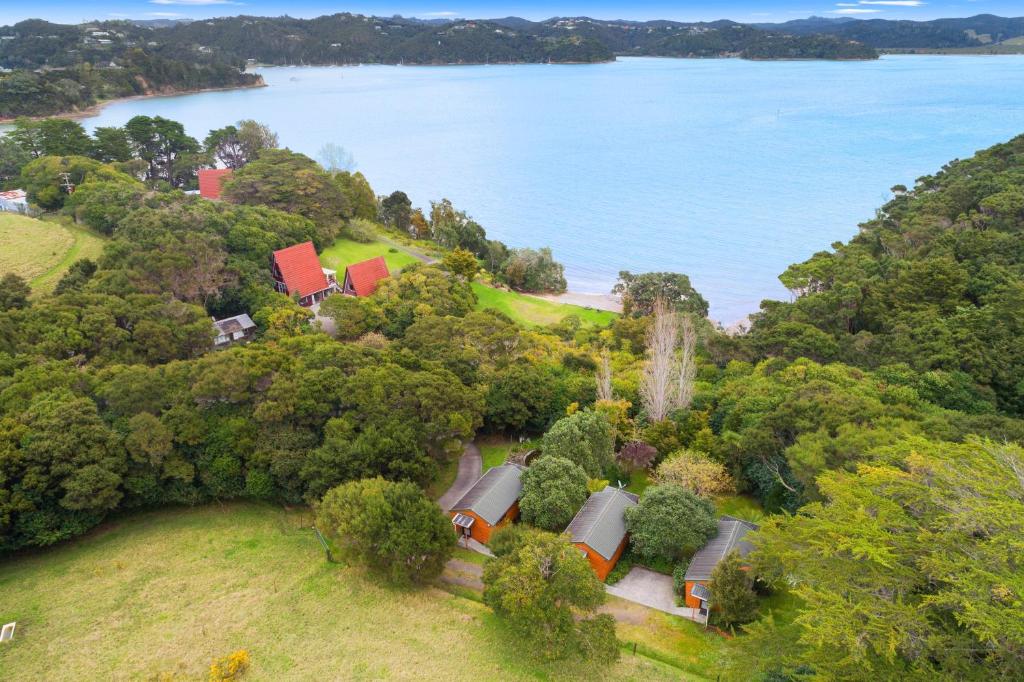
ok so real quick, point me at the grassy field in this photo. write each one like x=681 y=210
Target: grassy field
x=165 y=592
x=345 y=252
x=530 y=310
x=495 y=449
x=41 y=251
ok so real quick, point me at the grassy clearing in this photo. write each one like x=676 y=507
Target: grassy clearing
x=165 y=592
x=532 y=311
x=495 y=449
x=741 y=506
x=41 y=251
x=345 y=252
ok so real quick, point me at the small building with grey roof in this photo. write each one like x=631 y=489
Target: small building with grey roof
x=232 y=329
x=730 y=538
x=491 y=503
x=599 y=528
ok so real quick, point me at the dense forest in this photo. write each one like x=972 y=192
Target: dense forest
x=881 y=404
x=26 y=92
x=968 y=32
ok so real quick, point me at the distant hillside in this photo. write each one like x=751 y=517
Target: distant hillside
x=977 y=31
x=350 y=38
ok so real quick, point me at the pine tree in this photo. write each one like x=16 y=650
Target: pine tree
x=732 y=592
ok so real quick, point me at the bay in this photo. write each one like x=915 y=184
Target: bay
x=726 y=170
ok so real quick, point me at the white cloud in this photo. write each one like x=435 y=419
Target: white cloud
x=855 y=11
x=163 y=15
x=894 y=3
x=438 y=14
x=194 y=3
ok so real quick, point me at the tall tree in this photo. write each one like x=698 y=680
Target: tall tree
x=162 y=144
x=640 y=293
x=910 y=566
x=554 y=489
x=732 y=592
x=393 y=528
x=585 y=437
x=669 y=522
x=549 y=594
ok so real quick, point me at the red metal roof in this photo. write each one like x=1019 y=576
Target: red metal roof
x=210 y=181
x=300 y=269
x=365 y=276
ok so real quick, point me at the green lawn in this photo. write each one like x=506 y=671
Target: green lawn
x=530 y=310
x=345 y=252
x=157 y=595
x=41 y=251
x=741 y=506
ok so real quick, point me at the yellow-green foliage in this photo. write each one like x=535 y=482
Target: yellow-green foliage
x=230 y=667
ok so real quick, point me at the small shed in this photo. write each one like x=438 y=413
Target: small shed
x=362 y=278
x=211 y=180
x=730 y=538
x=599 y=528
x=491 y=503
x=232 y=329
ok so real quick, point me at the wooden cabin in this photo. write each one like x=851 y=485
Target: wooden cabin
x=599 y=528
x=491 y=503
x=297 y=271
x=731 y=532
x=362 y=278
x=211 y=180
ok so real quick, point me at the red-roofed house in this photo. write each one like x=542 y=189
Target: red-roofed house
x=211 y=180
x=297 y=270
x=362 y=279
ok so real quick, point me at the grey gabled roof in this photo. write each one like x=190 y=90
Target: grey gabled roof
x=493 y=494
x=601 y=523
x=238 y=323
x=730 y=537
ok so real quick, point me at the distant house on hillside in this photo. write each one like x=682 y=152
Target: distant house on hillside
x=599 y=528
x=296 y=271
x=232 y=329
x=211 y=180
x=731 y=532
x=491 y=503
x=362 y=279
x=15 y=201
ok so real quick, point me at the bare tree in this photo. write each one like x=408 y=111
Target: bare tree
x=604 y=376
x=657 y=385
x=336 y=159
x=687 y=369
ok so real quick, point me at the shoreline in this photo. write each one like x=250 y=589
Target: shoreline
x=95 y=109
x=607 y=302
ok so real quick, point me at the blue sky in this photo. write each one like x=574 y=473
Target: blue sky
x=73 y=11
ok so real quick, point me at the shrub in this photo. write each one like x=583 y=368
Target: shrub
x=696 y=472
x=637 y=455
x=361 y=230
x=679 y=581
x=230 y=667
x=732 y=591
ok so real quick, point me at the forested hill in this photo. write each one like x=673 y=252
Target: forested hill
x=970 y=32
x=349 y=38
x=934 y=283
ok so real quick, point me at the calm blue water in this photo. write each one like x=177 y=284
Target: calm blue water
x=726 y=170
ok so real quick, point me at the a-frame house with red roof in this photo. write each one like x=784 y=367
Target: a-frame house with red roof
x=362 y=279
x=296 y=271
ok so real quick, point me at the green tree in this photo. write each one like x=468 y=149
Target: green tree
x=554 y=489
x=14 y=292
x=908 y=568
x=44 y=178
x=585 y=438
x=732 y=592
x=668 y=522
x=255 y=137
x=461 y=263
x=524 y=397
x=293 y=183
x=549 y=594
x=393 y=528
x=360 y=195
x=163 y=145
x=111 y=144
x=640 y=292
x=396 y=211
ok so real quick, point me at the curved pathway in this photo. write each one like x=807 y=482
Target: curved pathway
x=471 y=465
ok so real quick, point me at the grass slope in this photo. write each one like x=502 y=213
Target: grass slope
x=533 y=311
x=345 y=252
x=165 y=592
x=41 y=251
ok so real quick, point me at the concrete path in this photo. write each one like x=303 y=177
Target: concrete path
x=650 y=589
x=327 y=325
x=471 y=466
x=419 y=255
